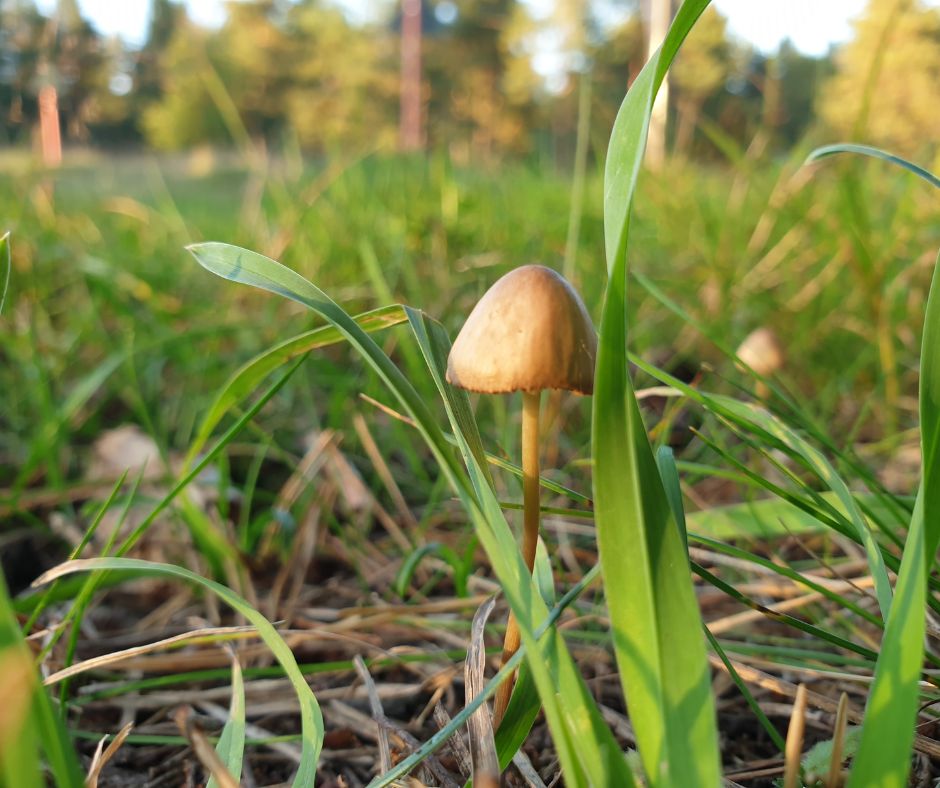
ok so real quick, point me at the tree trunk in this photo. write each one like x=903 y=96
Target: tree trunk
x=659 y=16
x=411 y=132
x=49 y=133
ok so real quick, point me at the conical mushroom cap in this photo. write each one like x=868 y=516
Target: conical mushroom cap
x=529 y=332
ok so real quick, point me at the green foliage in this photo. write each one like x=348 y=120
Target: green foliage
x=30 y=724
x=231 y=746
x=654 y=614
x=886 y=90
x=310 y=715
x=185 y=114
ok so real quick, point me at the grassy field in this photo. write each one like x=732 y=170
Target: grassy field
x=114 y=344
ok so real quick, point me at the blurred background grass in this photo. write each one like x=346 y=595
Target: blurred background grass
x=108 y=323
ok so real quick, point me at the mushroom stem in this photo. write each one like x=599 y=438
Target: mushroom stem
x=530 y=476
x=530 y=533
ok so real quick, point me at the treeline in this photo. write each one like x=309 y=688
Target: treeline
x=301 y=74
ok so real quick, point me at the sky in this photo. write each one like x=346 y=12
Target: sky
x=812 y=25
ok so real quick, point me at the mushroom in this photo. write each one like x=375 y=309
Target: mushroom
x=530 y=331
x=761 y=352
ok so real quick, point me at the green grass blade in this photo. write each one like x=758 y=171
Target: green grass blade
x=244 y=380
x=311 y=718
x=655 y=619
x=231 y=746
x=764 y=421
x=81 y=393
x=40 y=726
x=930 y=417
x=459 y=719
x=876 y=153
x=586 y=749
x=884 y=756
x=766 y=724
x=669 y=473
x=6 y=267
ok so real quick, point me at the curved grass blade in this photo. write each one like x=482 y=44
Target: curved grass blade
x=586 y=748
x=655 y=620
x=884 y=756
x=244 y=380
x=875 y=153
x=766 y=422
x=310 y=716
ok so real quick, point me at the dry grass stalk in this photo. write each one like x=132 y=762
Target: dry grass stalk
x=834 y=779
x=207 y=634
x=100 y=759
x=794 y=751
x=378 y=714
x=480 y=725
x=203 y=749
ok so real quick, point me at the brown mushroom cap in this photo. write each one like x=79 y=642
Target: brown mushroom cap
x=529 y=332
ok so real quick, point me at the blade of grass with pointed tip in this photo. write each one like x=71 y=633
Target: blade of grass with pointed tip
x=655 y=620
x=231 y=746
x=244 y=380
x=310 y=716
x=586 y=748
x=884 y=756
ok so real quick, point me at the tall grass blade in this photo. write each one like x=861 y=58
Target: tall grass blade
x=310 y=716
x=876 y=153
x=884 y=756
x=586 y=749
x=655 y=620
x=6 y=267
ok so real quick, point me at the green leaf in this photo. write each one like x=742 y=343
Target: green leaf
x=5 y=268
x=884 y=756
x=310 y=716
x=669 y=473
x=930 y=417
x=40 y=727
x=231 y=746
x=876 y=153
x=760 y=419
x=655 y=620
